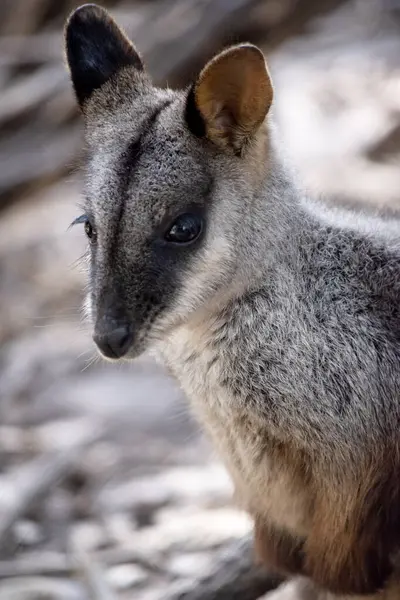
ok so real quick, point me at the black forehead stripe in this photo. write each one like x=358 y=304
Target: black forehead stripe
x=132 y=153
x=127 y=162
x=156 y=114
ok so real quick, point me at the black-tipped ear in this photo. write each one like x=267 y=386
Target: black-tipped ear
x=96 y=49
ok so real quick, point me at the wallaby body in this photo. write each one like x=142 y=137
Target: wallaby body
x=303 y=352
x=279 y=318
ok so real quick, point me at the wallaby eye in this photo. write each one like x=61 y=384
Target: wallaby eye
x=89 y=229
x=186 y=228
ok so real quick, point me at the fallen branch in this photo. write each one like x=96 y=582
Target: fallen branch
x=58 y=564
x=116 y=556
x=41 y=587
x=35 y=155
x=234 y=577
x=93 y=575
x=26 y=94
x=199 y=27
x=31 y=482
x=39 y=564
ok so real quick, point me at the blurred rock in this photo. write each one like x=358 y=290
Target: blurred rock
x=28 y=533
x=190 y=564
x=88 y=535
x=125 y=577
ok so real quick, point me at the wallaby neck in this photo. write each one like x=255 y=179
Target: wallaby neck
x=274 y=224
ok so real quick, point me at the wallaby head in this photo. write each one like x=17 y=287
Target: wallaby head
x=169 y=180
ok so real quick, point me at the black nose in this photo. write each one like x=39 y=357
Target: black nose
x=114 y=343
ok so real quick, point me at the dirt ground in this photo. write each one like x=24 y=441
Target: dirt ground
x=107 y=487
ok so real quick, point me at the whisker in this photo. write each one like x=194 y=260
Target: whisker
x=45 y=326
x=74 y=312
x=83 y=353
x=90 y=363
x=78 y=263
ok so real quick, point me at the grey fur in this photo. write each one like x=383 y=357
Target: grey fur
x=282 y=327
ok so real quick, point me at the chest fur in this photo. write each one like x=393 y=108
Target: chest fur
x=269 y=478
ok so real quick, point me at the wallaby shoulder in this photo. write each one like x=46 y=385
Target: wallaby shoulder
x=327 y=313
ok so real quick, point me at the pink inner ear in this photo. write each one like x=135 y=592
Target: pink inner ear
x=224 y=119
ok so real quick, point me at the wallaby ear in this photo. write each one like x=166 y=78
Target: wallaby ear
x=231 y=97
x=96 y=49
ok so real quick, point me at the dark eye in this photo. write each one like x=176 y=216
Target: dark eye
x=89 y=229
x=185 y=229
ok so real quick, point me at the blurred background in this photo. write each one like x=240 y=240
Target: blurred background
x=104 y=463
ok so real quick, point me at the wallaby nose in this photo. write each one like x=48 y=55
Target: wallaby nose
x=114 y=343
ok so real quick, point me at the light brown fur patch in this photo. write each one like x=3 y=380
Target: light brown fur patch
x=355 y=530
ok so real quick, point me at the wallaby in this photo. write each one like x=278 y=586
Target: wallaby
x=279 y=317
